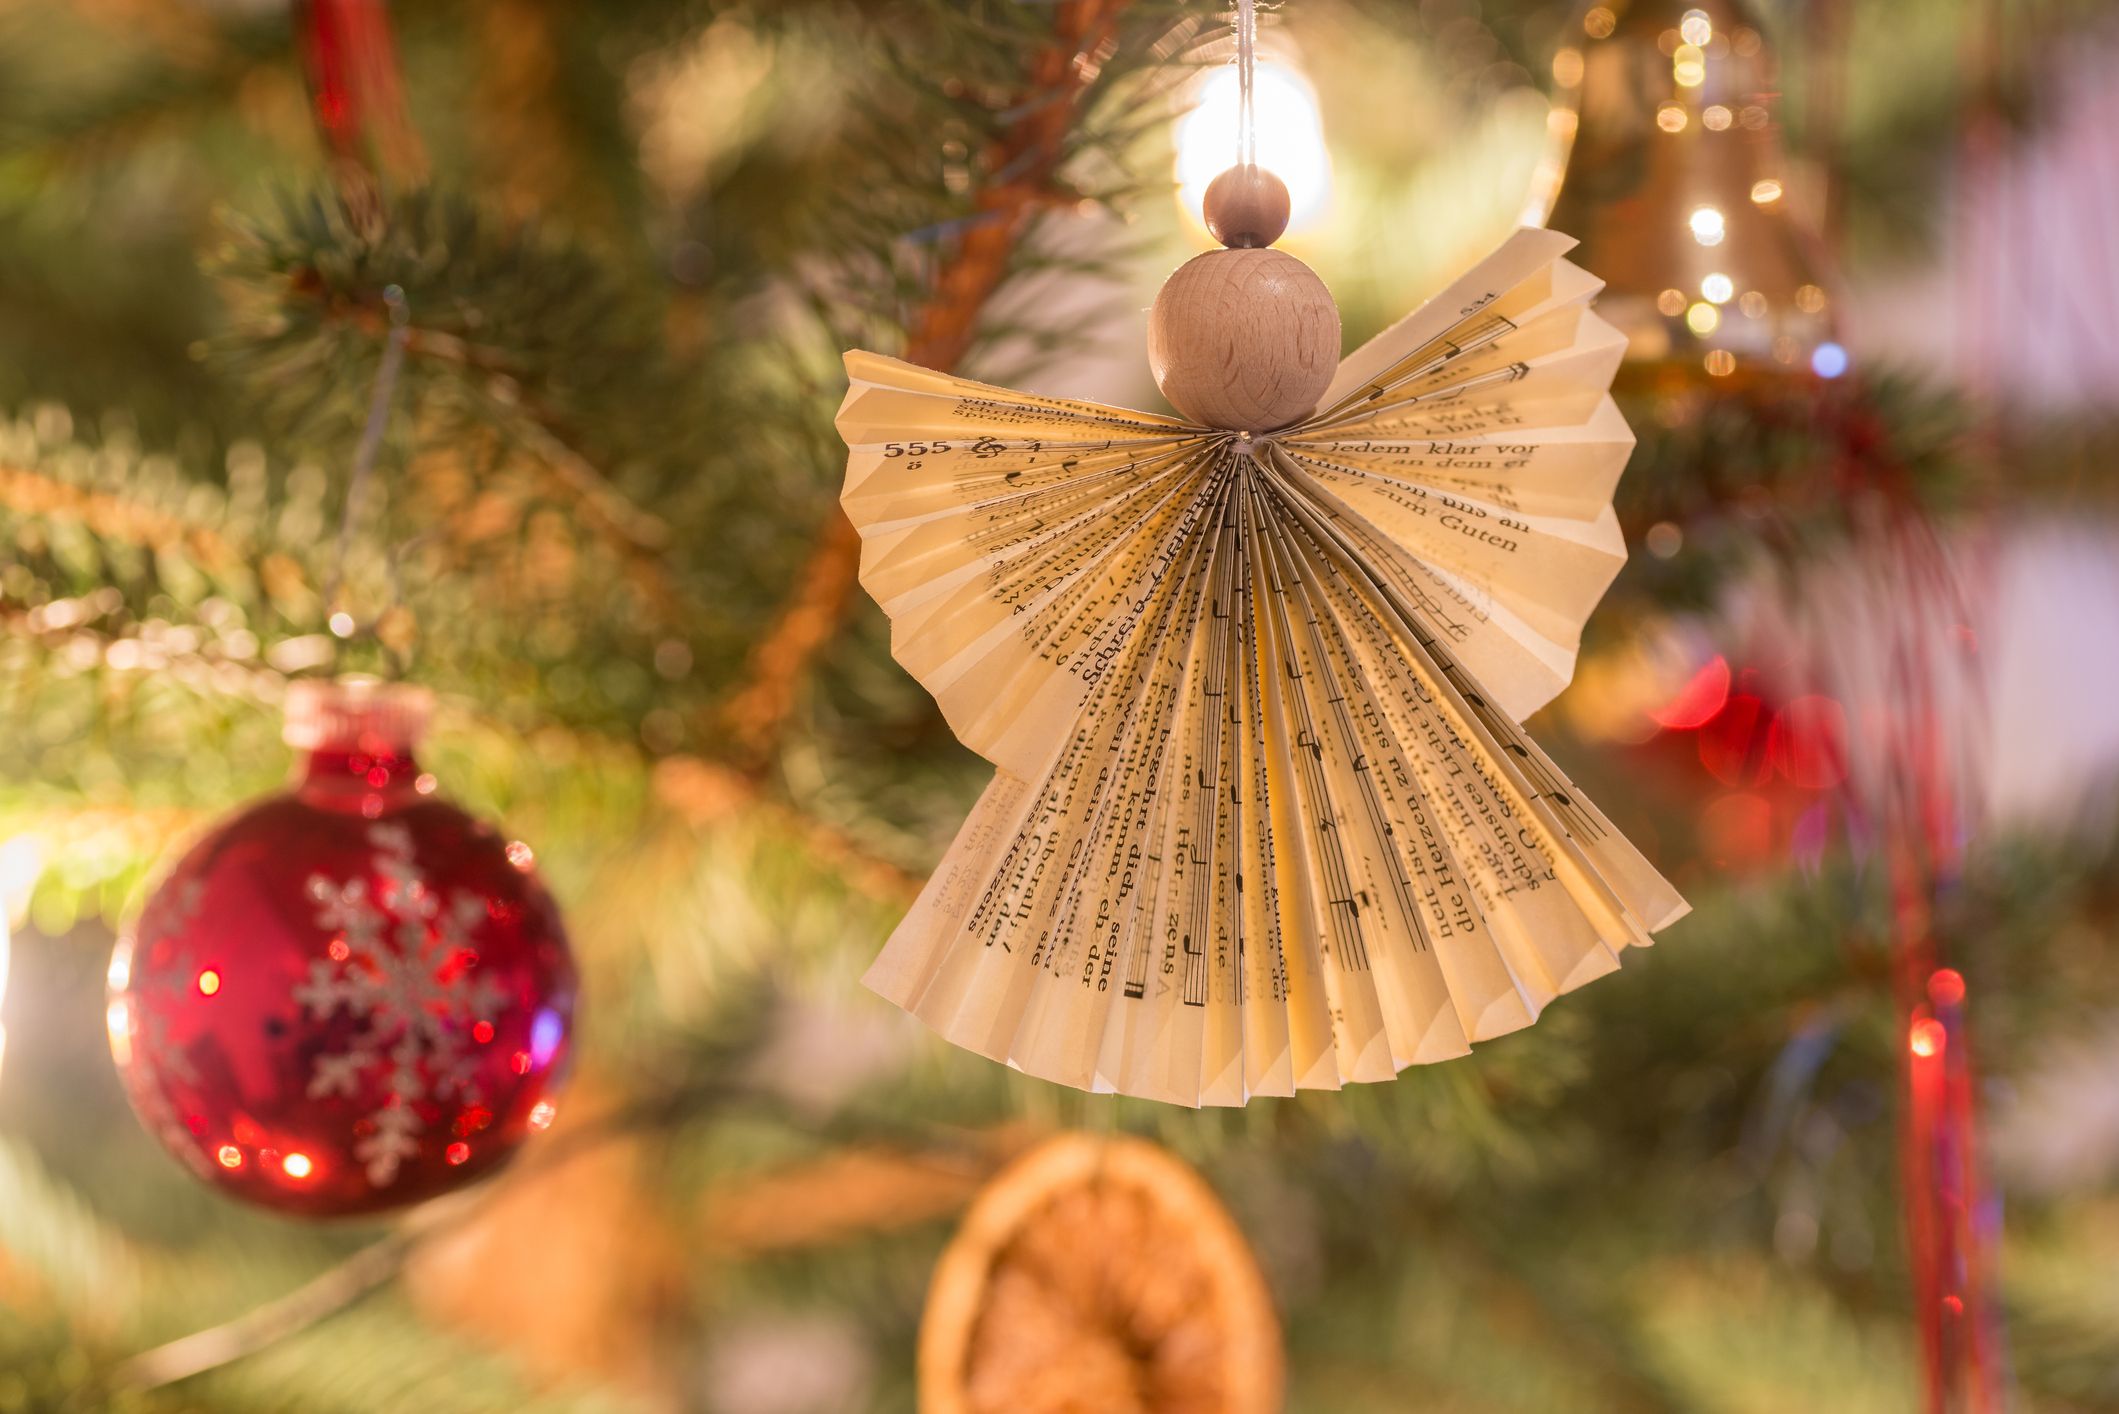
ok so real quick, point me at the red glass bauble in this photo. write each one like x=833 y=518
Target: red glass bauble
x=350 y=996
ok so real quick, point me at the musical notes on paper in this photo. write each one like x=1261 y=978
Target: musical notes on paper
x=1262 y=818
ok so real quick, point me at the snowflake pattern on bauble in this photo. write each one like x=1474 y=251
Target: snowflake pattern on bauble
x=401 y=963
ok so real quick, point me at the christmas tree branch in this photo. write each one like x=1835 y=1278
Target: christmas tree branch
x=854 y=1188
x=826 y=1200
x=543 y=433
x=322 y=285
x=267 y=1325
x=699 y=791
x=1018 y=180
x=704 y=791
x=26 y=491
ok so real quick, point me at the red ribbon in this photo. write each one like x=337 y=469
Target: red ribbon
x=357 y=93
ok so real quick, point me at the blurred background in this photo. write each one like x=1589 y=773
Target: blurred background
x=1846 y=1139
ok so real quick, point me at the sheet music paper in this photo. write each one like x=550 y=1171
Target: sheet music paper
x=1262 y=817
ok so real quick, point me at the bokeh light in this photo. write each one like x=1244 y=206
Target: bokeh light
x=1290 y=140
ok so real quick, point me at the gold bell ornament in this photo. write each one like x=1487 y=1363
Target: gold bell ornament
x=1666 y=159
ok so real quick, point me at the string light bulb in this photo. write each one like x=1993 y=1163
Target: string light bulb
x=1290 y=140
x=1665 y=161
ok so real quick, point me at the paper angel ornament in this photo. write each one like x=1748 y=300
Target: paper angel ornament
x=1262 y=817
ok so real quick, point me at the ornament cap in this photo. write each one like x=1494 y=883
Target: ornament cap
x=355 y=712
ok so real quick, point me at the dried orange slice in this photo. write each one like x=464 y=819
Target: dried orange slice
x=1099 y=1276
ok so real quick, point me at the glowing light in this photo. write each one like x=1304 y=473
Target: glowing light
x=458 y=1152
x=1737 y=829
x=1729 y=743
x=1927 y=1038
x=1688 y=66
x=1717 y=288
x=230 y=1156
x=1807 y=742
x=425 y=784
x=21 y=865
x=1946 y=986
x=209 y=982
x=1699 y=701
x=1567 y=67
x=520 y=1062
x=1828 y=360
x=1599 y=23
x=342 y=624
x=1703 y=319
x=1720 y=363
x=521 y=855
x=297 y=1166
x=1670 y=117
x=1664 y=539
x=1707 y=225
x=1696 y=27
x=1810 y=299
x=482 y=1032
x=1716 y=118
x=1671 y=302
x=1290 y=140
x=117 y=1022
x=541 y=1114
x=546 y=1032
x=1753 y=304
x=1765 y=191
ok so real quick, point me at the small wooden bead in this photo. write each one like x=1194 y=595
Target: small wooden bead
x=1246 y=340
x=1246 y=206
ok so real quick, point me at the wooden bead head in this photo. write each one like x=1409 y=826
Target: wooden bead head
x=1246 y=340
x=1245 y=207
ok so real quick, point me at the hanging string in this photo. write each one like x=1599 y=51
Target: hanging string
x=371 y=439
x=1246 y=81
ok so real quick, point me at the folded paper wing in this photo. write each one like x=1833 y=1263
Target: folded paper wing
x=1263 y=817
